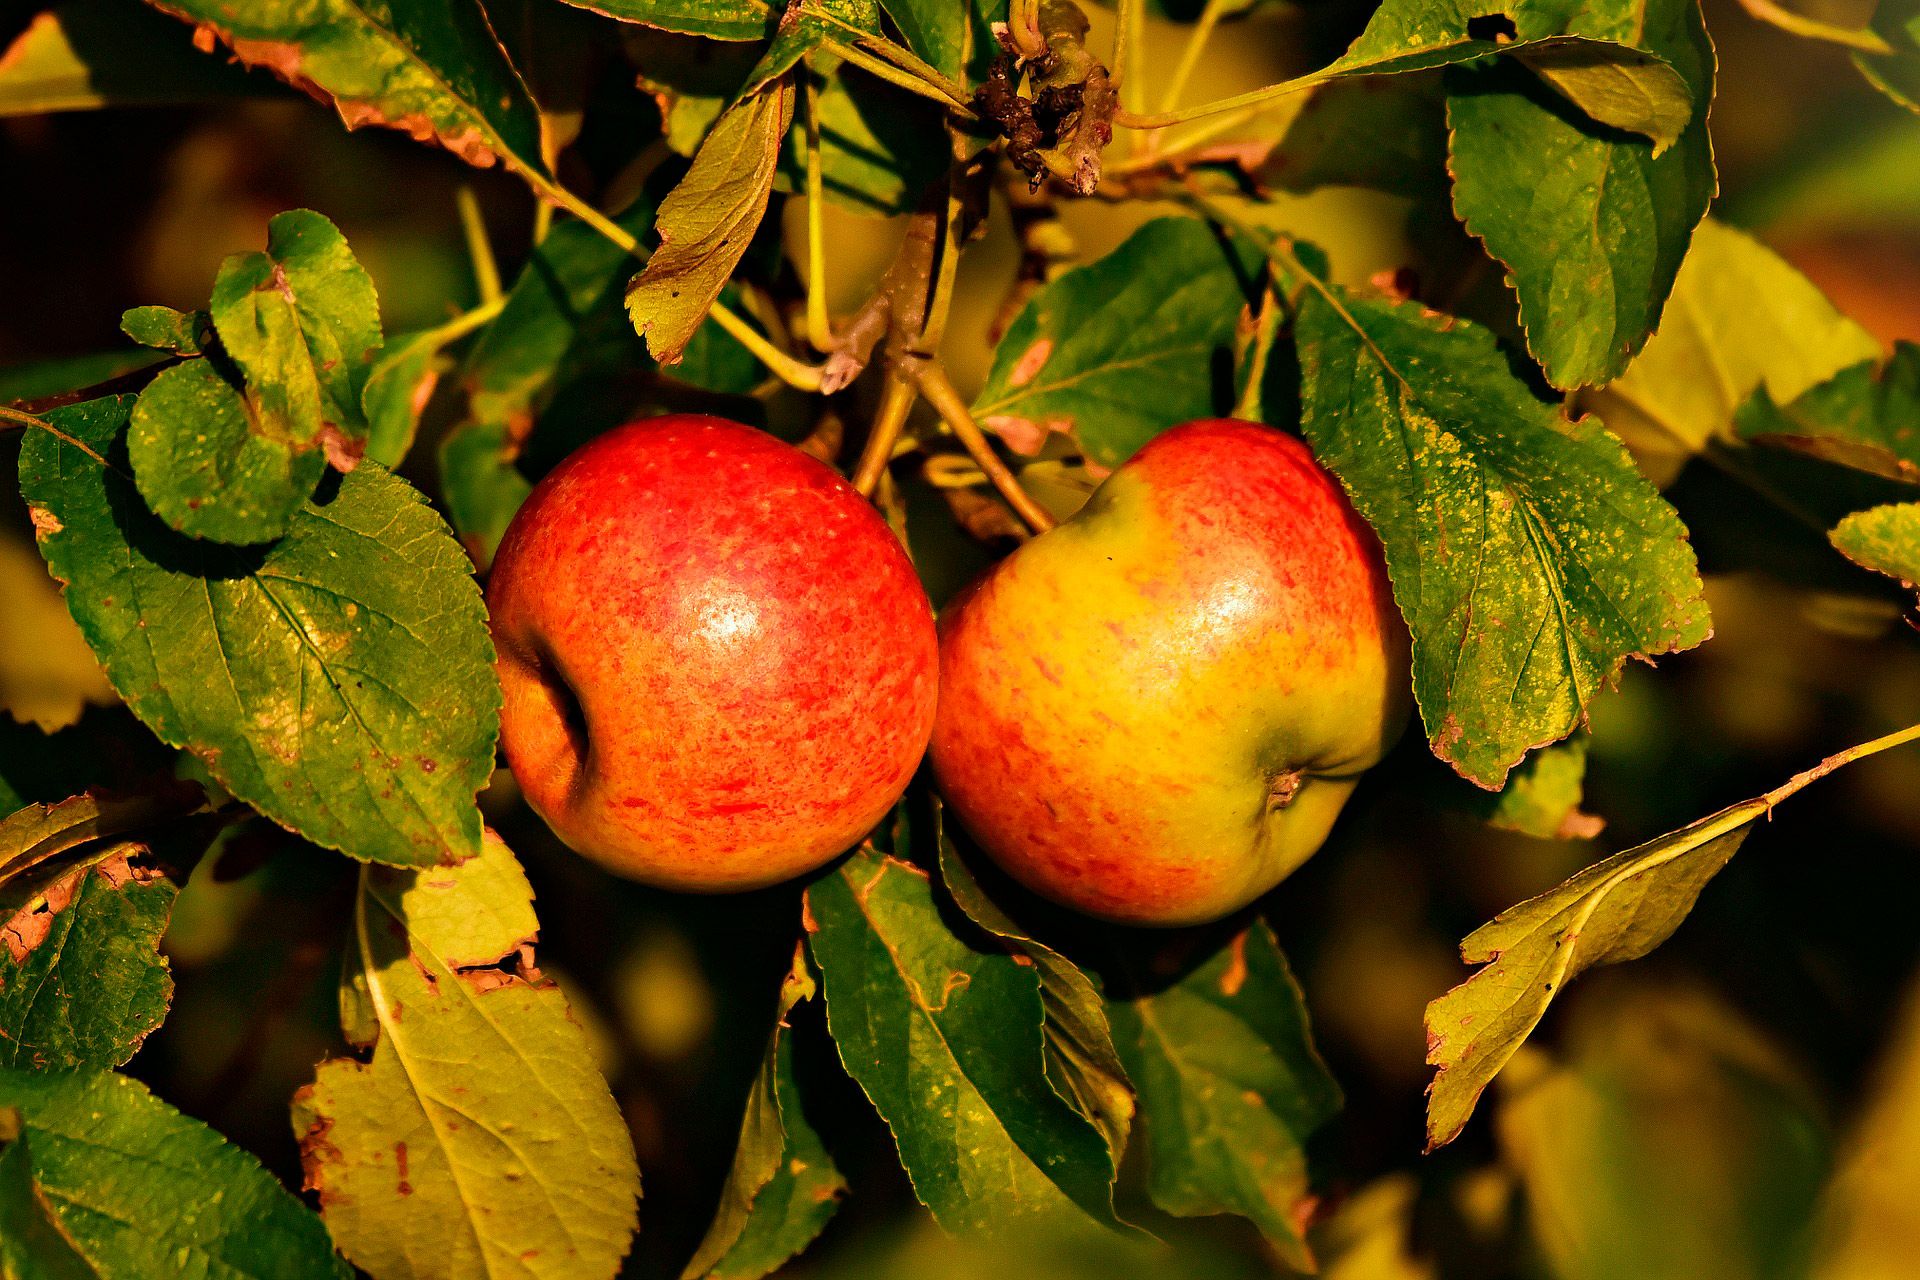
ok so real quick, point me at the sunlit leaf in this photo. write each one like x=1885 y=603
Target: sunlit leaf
x=1740 y=318
x=232 y=452
x=1617 y=909
x=480 y=1139
x=1866 y=417
x=339 y=680
x=1884 y=539
x=1529 y=557
x=1542 y=796
x=717 y=19
x=708 y=222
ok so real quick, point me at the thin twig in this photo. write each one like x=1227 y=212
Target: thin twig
x=819 y=323
x=486 y=272
x=940 y=393
x=896 y=402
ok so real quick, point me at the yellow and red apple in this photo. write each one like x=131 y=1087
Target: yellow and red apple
x=1154 y=712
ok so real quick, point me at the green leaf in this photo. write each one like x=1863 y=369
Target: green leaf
x=1617 y=909
x=876 y=140
x=1402 y=117
x=1897 y=73
x=1081 y=1061
x=403 y=380
x=340 y=680
x=1884 y=539
x=46 y=829
x=803 y=29
x=1118 y=351
x=302 y=323
x=940 y=31
x=231 y=452
x=30 y=1241
x=202 y=467
x=1596 y=57
x=482 y=487
x=1740 y=313
x=563 y=311
x=187 y=333
x=1529 y=557
x=1864 y=417
x=1591 y=225
x=1230 y=1085
x=104 y=53
x=708 y=221
x=81 y=982
x=1542 y=796
x=718 y=19
x=138 y=1190
x=945 y=1037
x=397 y=392
x=480 y=1140
x=431 y=68
x=784 y=1185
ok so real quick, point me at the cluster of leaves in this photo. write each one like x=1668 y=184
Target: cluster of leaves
x=302 y=632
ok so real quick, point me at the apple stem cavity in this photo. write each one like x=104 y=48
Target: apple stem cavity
x=1283 y=788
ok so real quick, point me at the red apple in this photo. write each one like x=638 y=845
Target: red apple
x=1154 y=712
x=719 y=667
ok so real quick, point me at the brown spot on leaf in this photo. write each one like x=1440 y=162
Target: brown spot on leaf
x=405 y=1188
x=28 y=927
x=342 y=450
x=45 y=523
x=1031 y=361
x=1023 y=435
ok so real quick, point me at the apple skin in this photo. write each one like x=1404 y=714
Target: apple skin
x=718 y=665
x=1154 y=712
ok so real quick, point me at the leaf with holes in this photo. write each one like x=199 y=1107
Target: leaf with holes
x=784 y=1185
x=1116 y=352
x=1529 y=557
x=1595 y=57
x=430 y=68
x=945 y=1035
x=480 y=1139
x=136 y=1189
x=340 y=680
x=1230 y=1084
x=82 y=982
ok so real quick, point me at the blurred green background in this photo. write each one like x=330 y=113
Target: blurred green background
x=1679 y=1117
